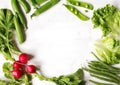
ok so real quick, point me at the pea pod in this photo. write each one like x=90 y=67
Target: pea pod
x=25 y=5
x=16 y=8
x=33 y=3
x=45 y=7
x=81 y=4
x=18 y=29
x=40 y=1
x=76 y=12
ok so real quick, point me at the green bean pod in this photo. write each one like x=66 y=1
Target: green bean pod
x=33 y=3
x=40 y=1
x=98 y=83
x=19 y=32
x=16 y=8
x=76 y=12
x=81 y=4
x=25 y=5
x=105 y=66
x=103 y=78
x=45 y=7
x=104 y=74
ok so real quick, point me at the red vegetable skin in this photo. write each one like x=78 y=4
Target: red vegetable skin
x=30 y=68
x=17 y=65
x=17 y=73
x=23 y=58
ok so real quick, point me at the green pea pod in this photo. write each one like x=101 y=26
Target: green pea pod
x=81 y=4
x=16 y=8
x=25 y=5
x=33 y=3
x=76 y=12
x=40 y=1
x=45 y=7
x=19 y=32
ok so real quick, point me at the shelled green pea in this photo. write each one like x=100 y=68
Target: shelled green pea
x=81 y=4
x=76 y=12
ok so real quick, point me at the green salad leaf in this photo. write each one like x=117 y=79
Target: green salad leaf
x=7 y=43
x=108 y=20
x=71 y=79
x=108 y=50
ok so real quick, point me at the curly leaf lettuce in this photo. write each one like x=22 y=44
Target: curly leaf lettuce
x=108 y=20
x=108 y=50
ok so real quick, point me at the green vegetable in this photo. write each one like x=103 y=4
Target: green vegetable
x=19 y=32
x=33 y=3
x=107 y=19
x=76 y=12
x=108 y=50
x=7 y=68
x=7 y=44
x=72 y=79
x=25 y=5
x=16 y=8
x=45 y=7
x=81 y=4
x=102 y=71
x=40 y=1
x=98 y=83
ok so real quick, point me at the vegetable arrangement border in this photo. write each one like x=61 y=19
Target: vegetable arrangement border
x=107 y=48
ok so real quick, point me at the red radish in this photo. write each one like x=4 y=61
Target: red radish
x=31 y=69
x=23 y=58
x=17 y=73
x=17 y=65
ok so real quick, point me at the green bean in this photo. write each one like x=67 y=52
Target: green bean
x=102 y=69
x=16 y=8
x=98 y=83
x=76 y=12
x=103 y=65
x=19 y=32
x=45 y=7
x=105 y=74
x=104 y=79
x=81 y=4
x=25 y=5
x=33 y=3
x=40 y=1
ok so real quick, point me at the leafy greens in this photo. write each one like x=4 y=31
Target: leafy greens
x=7 y=44
x=108 y=20
x=108 y=50
x=72 y=79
